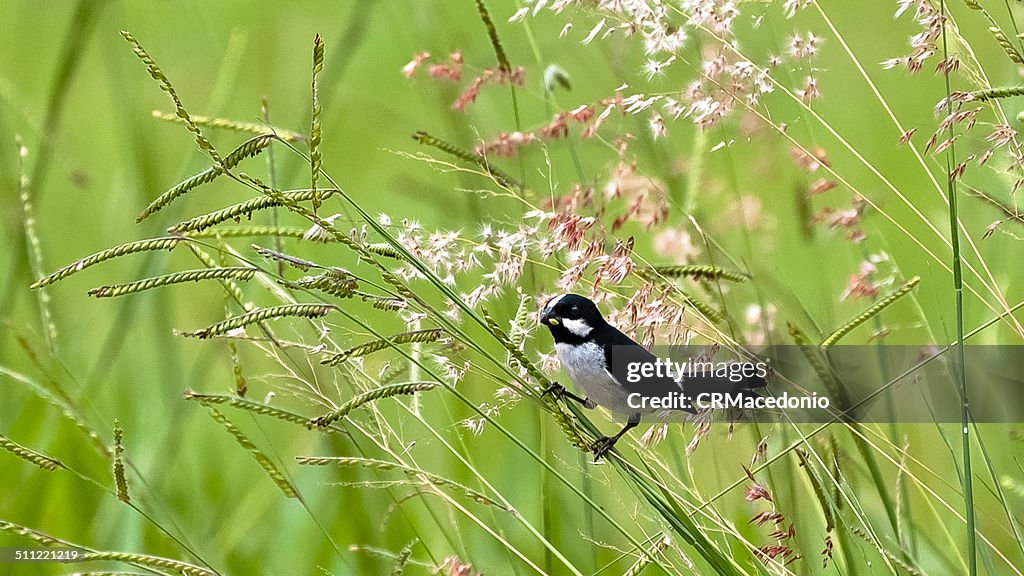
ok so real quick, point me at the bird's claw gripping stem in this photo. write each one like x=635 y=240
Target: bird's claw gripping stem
x=602 y=446
x=558 y=392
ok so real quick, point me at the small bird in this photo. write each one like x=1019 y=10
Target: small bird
x=585 y=343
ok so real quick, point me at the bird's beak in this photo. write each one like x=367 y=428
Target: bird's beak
x=549 y=318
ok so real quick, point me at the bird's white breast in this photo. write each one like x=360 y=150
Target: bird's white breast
x=585 y=364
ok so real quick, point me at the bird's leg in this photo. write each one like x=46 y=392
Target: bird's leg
x=604 y=444
x=559 y=392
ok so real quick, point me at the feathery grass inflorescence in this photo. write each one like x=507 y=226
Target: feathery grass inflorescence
x=492 y=33
x=514 y=351
x=375 y=394
x=870 y=313
x=237 y=211
x=414 y=336
x=250 y=232
x=235 y=126
x=249 y=148
x=334 y=281
x=44 y=462
x=119 y=478
x=247 y=405
x=262 y=459
x=498 y=175
x=660 y=545
x=179 y=108
x=316 y=129
x=425 y=476
x=116 y=251
x=696 y=271
x=384 y=303
x=713 y=316
x=261 y=314
x=235 y=273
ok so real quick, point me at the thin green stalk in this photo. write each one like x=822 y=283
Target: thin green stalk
x=275 y=213
x=960 y=368
x=72 y=51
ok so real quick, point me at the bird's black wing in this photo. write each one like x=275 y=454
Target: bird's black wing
x=620 y=351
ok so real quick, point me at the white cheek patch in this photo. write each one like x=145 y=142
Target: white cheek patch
x=577 y=327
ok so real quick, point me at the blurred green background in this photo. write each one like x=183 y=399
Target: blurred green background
x=81 y=102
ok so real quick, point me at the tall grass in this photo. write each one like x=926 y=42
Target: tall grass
x=377 y=355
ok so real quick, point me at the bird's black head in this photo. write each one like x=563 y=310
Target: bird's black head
x=571 y=317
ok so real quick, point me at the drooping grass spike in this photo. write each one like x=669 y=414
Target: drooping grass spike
x=247 y=405
x=492 y=34
x=247 y=149
x=336 y=282
x=501 y=177
x=179 y=108
x=41 y=460
x=261 y=314
x=235 y=126
x=116 y=251
x=293 y=261
x=372 y=395
x=235 y=273
x=870 y=313
x=249 y=232
x=237 y=211
x=428 y=477
x=262 y=459
x=696 y=271
x=429 y=335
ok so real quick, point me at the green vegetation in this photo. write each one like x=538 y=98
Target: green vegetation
x=365 y=393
